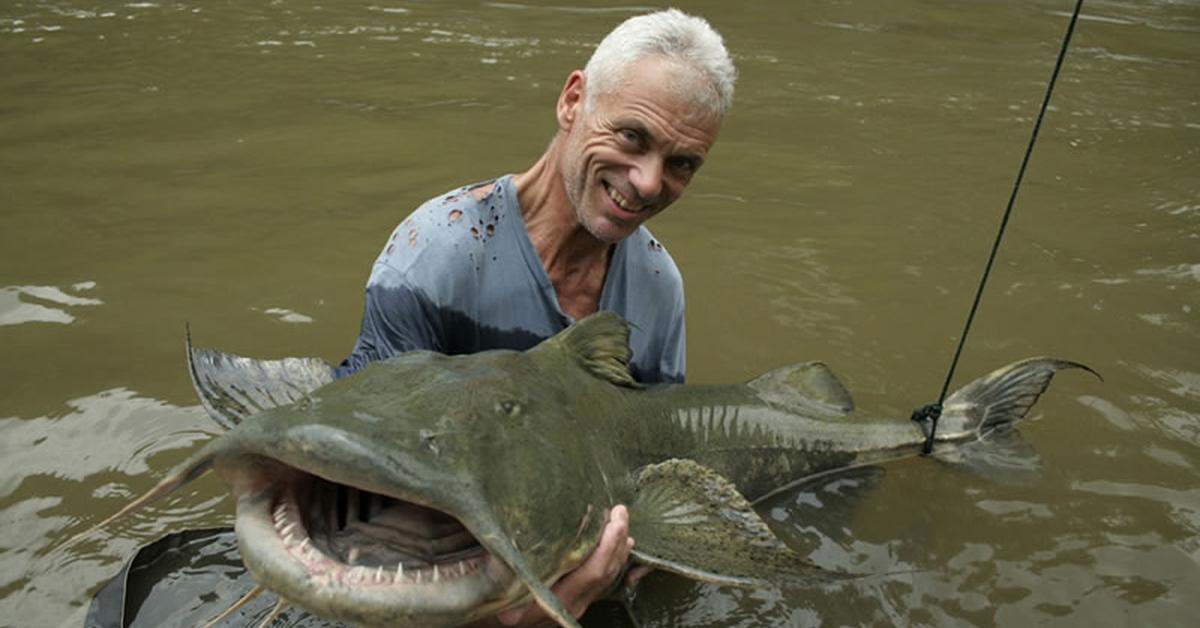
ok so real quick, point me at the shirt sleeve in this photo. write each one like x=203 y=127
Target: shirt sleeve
x=418 y=271
x=397 y=317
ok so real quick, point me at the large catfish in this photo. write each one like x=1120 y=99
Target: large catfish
x=431 y=490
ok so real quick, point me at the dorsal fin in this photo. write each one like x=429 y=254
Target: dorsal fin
x=600 y=344
x=231 y=387
x=806 y=388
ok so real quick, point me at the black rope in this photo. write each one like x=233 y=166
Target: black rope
x=932 y=412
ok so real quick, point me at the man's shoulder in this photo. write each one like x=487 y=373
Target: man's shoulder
x=445 y=231
x=460 y=214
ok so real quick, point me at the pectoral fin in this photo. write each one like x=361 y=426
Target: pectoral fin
x=689 y=520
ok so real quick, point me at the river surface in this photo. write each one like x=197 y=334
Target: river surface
x=238 y=164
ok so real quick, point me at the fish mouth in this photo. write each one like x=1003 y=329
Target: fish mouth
x=355 y=555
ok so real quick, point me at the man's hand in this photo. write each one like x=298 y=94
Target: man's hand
x=579 y=588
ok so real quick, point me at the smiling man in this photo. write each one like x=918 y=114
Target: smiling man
x=507 y=263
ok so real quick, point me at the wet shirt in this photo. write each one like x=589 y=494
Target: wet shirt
x=460 y=275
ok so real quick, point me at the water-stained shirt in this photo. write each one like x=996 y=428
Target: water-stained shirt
x=460 y=275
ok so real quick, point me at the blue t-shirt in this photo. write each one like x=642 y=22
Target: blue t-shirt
x=459 y=275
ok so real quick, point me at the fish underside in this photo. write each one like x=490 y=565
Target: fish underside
x=433 y=490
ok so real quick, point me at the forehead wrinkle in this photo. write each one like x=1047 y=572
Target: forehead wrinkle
x=685 y=136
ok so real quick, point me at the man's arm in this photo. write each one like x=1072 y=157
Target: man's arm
x=397 y=317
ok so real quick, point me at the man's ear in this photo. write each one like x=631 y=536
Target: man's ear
x=570 y=100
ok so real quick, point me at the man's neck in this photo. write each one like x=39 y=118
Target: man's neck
x=574 y=260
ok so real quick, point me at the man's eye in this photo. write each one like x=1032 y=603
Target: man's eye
x=683 y=166
x=630 y=136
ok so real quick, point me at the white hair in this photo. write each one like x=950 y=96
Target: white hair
x=688 y=41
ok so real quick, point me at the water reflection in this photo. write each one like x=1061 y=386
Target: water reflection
x=103 y=450
x=285 y=315
x=15 y=311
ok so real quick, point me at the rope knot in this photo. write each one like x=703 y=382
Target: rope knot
x=929 y=412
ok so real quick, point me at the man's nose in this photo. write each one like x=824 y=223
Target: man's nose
x=647 y=176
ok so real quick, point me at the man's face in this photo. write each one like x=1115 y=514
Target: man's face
x=631 y=154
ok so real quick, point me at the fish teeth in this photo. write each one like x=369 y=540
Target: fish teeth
x=435 y=573
x=379 y=574
x=353 y=555
x=399 y=571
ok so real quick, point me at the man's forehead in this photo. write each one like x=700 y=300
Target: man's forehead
x=669 y=75
x=660 y=93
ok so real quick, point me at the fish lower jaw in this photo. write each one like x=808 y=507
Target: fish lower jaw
x=323 y=569
x=279 y=549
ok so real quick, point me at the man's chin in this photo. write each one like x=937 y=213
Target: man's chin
x=609 y=231
x=604 y=227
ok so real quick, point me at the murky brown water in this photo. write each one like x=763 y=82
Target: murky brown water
x=238 y=164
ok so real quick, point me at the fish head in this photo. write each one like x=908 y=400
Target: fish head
x=424 y=490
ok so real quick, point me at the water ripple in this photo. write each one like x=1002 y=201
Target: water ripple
x=15 y=311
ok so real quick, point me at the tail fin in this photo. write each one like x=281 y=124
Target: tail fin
x=999 y=399
x=979 y=418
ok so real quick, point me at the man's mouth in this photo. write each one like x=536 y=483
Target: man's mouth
x=623 y=203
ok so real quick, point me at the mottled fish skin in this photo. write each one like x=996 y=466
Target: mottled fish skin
x=528 y=451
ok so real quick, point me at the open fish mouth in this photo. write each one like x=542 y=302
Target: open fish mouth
x=358 y=555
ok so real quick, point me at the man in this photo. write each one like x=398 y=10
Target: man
x=510 y=262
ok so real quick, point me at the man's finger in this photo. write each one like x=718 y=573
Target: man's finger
x=611 y=547
x=637 y=573
x=512 y=616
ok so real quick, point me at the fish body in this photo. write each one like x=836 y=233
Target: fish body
x=431 y=490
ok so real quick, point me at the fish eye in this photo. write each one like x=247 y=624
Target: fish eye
x=508 y=407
